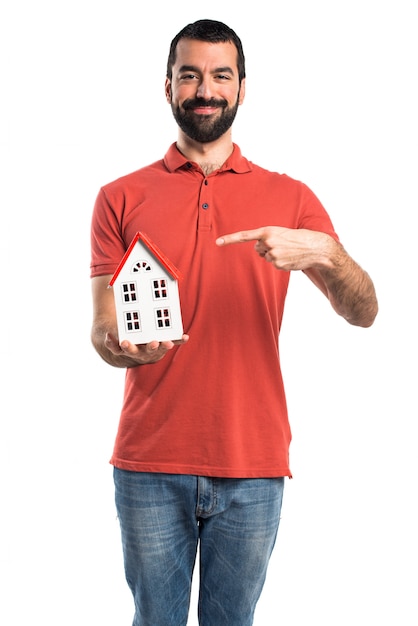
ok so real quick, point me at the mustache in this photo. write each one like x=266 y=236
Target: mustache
x=192 y=103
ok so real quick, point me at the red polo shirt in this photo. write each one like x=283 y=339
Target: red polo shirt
x=216 y=405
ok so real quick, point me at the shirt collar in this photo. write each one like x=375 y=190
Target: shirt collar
x=174 y=160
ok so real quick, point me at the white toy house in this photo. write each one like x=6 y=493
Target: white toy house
x=145 y=287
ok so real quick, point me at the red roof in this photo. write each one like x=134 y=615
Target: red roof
x=156 y=252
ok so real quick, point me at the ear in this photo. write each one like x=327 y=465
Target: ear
x=242 y=92
x=167 y=90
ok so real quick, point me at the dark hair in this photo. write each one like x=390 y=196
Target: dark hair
x=213 y=32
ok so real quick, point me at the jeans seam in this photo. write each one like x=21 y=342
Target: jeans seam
x=200 y=511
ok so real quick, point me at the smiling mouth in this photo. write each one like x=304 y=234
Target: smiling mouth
x=204 y=107
x=205 y=110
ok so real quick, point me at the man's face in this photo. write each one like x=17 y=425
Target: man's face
x=204 y=91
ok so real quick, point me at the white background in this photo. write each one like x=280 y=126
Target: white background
x=331 y=100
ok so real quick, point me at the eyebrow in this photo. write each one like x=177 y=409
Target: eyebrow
x=217 y=70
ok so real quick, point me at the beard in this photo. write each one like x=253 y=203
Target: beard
x=204 y=128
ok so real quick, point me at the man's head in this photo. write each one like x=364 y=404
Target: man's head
x=205 y=81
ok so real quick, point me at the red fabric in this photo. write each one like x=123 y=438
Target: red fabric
x=216 y=405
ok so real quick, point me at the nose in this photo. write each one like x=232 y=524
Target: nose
x=204 y=90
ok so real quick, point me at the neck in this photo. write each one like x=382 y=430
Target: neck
x=210 y=156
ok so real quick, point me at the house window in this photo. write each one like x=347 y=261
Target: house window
x=163 y=318
x=141 y=266
x=132 y=321
x=159 y=289
x=129 y=292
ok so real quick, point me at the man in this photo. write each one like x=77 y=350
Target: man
x=202 y=447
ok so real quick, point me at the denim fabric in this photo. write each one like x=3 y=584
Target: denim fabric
x=165 y=517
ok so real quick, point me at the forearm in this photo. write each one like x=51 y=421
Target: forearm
x=348 y=287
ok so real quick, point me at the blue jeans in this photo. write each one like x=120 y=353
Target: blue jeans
x=163 y=519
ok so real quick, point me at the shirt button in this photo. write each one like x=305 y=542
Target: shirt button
x=205 y=205
x=206 y=182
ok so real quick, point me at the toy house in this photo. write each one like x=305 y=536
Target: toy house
x=145 y=288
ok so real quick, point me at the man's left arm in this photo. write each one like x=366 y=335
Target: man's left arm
x=348 y=287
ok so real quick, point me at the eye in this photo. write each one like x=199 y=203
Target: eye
x=187 y=76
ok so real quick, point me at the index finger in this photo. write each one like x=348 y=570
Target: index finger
x=241 y=237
